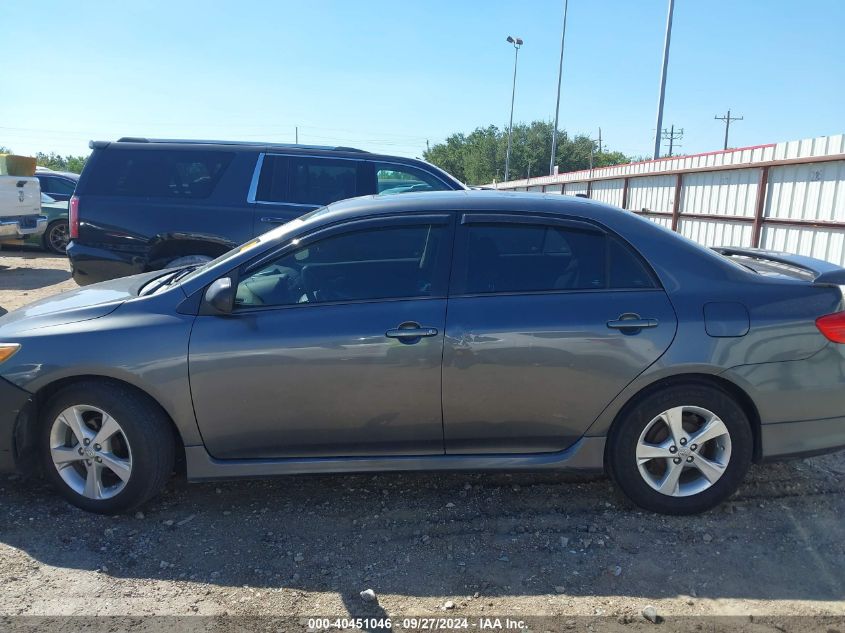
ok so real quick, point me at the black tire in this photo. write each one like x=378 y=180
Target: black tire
x=625 y=434
x=48 y=243
x=146 y=428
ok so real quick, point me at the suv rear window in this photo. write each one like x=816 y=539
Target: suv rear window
x=157 y=173
x=307 y=181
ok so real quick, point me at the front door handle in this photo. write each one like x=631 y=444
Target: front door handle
x=273 y=220
x=631 y=321
x=410 y=332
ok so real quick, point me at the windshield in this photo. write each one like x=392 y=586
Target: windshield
x=265 y=238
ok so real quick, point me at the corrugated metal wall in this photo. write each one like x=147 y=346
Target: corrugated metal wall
x=651 y=193
x=801 y=208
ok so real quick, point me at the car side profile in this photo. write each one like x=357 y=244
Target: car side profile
x=147 y=204
x=434 y=331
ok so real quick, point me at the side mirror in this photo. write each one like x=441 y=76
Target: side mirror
x=221 y=295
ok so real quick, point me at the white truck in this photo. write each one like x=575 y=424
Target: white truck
x=20 y=208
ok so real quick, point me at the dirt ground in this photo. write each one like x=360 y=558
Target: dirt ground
x=456 y=545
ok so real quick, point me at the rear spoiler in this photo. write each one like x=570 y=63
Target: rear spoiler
x=817 y=270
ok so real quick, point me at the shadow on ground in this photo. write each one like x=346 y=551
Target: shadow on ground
x=424 y=535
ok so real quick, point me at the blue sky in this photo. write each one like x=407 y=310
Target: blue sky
x=389 y=75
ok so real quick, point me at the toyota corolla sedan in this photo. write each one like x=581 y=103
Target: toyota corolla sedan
x=436 y=331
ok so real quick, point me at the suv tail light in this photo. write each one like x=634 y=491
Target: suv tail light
x=832 y=326
x=73 y=217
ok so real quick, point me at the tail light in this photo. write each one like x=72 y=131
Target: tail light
x=832 y=326
x=73 y=217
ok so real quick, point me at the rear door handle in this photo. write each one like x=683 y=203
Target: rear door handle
x=409 y=331
x=631 y=321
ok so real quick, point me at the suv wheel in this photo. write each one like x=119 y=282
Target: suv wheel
x=106 y=448
x=681 y=450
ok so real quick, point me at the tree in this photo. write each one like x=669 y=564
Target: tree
x=61 y=163
x=479 y=157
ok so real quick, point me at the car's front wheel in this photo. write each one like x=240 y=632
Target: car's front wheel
x=57 y=236
x=106 y=448
x=681 y=450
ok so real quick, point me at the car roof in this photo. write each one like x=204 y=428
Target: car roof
x=471 y=200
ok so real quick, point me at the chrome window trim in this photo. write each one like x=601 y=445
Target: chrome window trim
x=256 y=174
x=253 y=184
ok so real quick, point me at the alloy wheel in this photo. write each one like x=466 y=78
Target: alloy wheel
x=90 y=452
x=58 y=237
x=683 y=451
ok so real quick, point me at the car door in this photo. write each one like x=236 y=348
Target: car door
x=548 y=320
x=334 y=347
x=287 y=186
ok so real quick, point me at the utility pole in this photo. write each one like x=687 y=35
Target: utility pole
x=529 y=170
x=659 y=127
x=598 y=140
x=671 y=135
x=727 y=119
x=559 y=77
x=297 y=135
x=427 y=146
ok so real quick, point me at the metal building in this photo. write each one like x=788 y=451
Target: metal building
x=786 y=196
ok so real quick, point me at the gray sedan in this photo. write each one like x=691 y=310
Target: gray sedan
x=434 y=331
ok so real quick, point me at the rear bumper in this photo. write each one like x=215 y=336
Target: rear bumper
x=16 y=228
x=90 y=265
x=12 y=401
x=802 y=439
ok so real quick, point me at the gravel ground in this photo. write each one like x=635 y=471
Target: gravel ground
x=457 y=545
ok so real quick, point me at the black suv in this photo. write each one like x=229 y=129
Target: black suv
x=144 y=204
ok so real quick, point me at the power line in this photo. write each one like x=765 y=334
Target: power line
x=672 y=135
x=727 y=119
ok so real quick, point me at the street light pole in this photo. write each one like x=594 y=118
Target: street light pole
x=658 y=131
x=559 y=77
x=517 y=42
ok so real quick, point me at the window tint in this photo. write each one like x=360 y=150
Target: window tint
x=384 y=263
x=322 y=181
x=402 y=179
x=531 y=258
x=157 y=173
x=627 y=270
x=61 y=186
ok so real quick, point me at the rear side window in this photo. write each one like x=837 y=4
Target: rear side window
x=307 y=181
x=536 y=258
x=392 y=178
x=157 y=173
x=60 y=186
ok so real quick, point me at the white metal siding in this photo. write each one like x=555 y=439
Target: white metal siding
x=608 y=191
x=821 y=243
x=554 y=189
x=813 y=191
x=716 y=232
x=652 y=193
x=667 y=222
x=573 y=188
x=731 y=192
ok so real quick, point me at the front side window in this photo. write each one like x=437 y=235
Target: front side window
x=157 y=173
x=403 y=179
x=380 y=263
x=535 y=258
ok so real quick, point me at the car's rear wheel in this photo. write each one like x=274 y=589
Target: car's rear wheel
x=681 y=450
x=57 y=236
x=105 y=447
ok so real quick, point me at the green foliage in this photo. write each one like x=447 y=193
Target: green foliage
x=478 y=158
x=5 y=150
x=61 y=163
